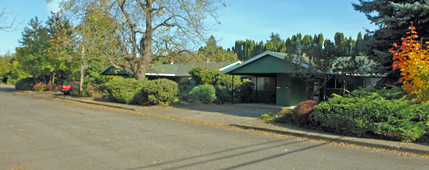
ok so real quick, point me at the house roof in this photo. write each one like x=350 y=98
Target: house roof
x=277 y=55
x=181 y=69
x=115 y=71
x=173 y=70
x=364 y=64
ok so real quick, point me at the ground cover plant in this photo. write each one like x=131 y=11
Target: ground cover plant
x=384 y=113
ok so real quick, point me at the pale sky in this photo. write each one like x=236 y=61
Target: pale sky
x=240 y=20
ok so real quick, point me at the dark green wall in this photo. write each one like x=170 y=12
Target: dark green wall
x=290 y=91
x=264 y=65
x=283 y=91
x=299 y=93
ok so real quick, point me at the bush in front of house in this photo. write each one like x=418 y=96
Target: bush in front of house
x=367 y=113
x=157 y=92
x=123 y=90
x=221 y=95
x=245 y=91
x=387 y=93
x=25 y=84
x=94 y=85
x=92 y=89
x=205 y=93
x=301 y=113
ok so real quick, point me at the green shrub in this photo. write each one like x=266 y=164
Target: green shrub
x=123 y=90
x=266 y=117
x=191 y=98
x=205 y=93
x=75 y=89
x=157 y=92
x=245 y=91
x=25 y=84
x=91 y=89
x=285 y=116
x=367 y=113
x=221 y=95
x=387 y=93
x=301 y=113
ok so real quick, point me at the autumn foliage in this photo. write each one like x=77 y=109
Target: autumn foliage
x=413 y=61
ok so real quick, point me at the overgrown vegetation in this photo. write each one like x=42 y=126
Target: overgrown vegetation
x=224 y=85
x=367 y=112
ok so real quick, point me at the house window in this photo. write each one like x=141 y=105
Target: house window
x=264 y=83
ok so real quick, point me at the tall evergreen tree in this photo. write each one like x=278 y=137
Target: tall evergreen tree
x=393 y=17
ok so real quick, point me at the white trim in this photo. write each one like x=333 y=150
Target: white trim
x=262 y=55
x=157 y=74
x=167 y=75
x=235 y=63
x=251 y=60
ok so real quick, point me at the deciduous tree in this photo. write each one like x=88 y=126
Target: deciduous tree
x=153 y=28
x=412 y=59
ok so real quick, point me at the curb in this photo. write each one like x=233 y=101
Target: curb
x=339 y=139
x=97 y=103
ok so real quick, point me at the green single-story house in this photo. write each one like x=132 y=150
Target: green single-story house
x=176 y=72
x=275 y=85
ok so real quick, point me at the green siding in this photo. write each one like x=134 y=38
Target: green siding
x=283 y=90
x=264 y=65
x=299 y=93
x=290 y=91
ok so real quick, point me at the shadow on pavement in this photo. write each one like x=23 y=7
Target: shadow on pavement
x=230 y=109
x=5 y=87
x=192 y=161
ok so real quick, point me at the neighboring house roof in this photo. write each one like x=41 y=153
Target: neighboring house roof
x=361 y=65
x=173 y=70
x=115 y=71
x=181 y=70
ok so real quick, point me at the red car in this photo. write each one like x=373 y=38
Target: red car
x=67 y=89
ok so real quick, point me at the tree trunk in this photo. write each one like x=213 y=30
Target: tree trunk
x=81 y=71
x=321 y=86
x=145 y=48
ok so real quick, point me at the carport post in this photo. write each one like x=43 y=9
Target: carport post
x=232 y=90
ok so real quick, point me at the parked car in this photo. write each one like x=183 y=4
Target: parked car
x=67 y=89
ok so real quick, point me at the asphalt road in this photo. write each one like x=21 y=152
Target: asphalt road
x=37 y=133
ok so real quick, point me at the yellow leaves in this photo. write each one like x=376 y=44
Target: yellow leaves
x=413 y=61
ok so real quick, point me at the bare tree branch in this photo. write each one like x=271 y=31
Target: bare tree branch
x=6 y=27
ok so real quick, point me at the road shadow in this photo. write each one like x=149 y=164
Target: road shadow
x=7 y=88
x=226 y=154
x=253 y=111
